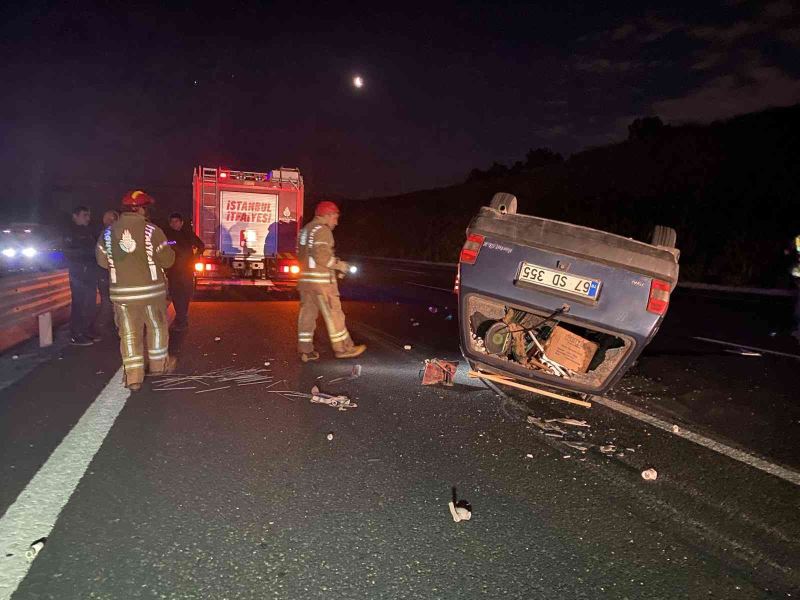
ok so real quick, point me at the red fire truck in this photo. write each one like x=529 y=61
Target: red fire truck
x=249 y=223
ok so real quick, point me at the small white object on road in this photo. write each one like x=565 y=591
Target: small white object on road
x=676 y=429
x=34 y=550
x=266 y=364
x=15 y=357
x=407 y=347
x=216 y=339
x=330 y=436
x=649 y=474
x=459 y=513
x=529 y=455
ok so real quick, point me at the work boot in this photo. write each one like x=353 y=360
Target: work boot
x=81 y=340
x=354 y=352
x=309 y=356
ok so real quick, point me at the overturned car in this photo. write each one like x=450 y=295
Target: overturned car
x=560 y=305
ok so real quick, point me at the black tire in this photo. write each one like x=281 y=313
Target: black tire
x=504 y=203
x=664 y=236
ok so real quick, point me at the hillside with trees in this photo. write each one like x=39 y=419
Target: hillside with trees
x=731 y=189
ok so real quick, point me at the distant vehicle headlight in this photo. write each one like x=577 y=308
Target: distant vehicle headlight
x=29 y=252
x=9 y=252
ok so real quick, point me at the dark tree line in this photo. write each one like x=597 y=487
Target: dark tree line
x=731 y=190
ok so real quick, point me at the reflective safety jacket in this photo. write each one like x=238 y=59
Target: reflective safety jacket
x=135 y=252
x=315 y=251
x=796 y=265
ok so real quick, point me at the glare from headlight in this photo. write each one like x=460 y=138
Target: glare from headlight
x=354 y=269
x=9 y=252
x=29 y=252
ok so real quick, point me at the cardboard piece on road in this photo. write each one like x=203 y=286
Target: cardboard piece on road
x=570 y=350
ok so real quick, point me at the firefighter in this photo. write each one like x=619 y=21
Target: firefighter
x=136 y=252
x=105 y=316
x=319 y=291
x=181 y=275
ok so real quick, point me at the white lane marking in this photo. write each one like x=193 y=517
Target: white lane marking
x=409 y=271
x=743 y=457
x=430 y=287
x=35 y=511
x=753 y=348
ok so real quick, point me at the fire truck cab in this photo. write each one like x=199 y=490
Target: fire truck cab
x=249 y=223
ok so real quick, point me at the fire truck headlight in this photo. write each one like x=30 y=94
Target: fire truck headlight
x=9 y=252
x=29 y=252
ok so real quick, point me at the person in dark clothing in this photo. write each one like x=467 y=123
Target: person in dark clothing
x=181 y=275
x=79 y=243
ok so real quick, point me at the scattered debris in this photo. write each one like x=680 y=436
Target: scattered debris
x=448 y=318
x=608 y=449
x=354 y=374
x=573 y=422
x=438 y=371
x=266 y=364
x=544 y=425
x=329 y=436
x=15 y=357
x=529 y=455
x=576 y=446
x=213 y=380
x=649 y=474
x=407 y=347
x=433 y=310
x=217 y=339
x=35 y=548
x=415 y=324
x=459 y=513
x=340 y=402
x=676 y=429
x=461 y=510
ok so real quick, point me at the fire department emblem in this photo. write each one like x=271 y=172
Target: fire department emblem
x=127 y=243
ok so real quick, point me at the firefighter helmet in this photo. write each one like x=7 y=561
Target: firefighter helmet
x=326 y=207
x=137 y=198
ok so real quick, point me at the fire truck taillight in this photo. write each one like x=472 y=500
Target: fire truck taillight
x=223 y=174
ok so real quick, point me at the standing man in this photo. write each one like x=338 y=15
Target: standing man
x=319 y=291
x=79 y=243
x=181 y=275
x=105 y=316
x=136 y=252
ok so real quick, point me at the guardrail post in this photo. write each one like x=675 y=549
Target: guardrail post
x=45 y=329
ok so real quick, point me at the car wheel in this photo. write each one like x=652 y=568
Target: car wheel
x=664 y=236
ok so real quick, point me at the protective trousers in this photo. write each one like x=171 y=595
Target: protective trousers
x=181 y=289
x=132 y=320
x=322 y=298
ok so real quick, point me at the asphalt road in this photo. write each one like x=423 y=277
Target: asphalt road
x=239 y=493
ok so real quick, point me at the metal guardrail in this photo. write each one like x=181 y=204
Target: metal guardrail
x=24 y=297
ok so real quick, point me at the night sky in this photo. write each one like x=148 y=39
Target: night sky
x=98 y=97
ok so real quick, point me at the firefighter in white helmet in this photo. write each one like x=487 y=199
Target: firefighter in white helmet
x=319 y=291
x=136 y=252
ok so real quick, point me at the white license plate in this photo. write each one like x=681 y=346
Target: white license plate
x=558 y=280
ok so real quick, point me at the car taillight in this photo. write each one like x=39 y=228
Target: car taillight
x=659 y=297
x=199 y=267
x=469 y=253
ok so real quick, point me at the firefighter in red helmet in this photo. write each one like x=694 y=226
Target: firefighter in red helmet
x=318 y=287
x=136 y=252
